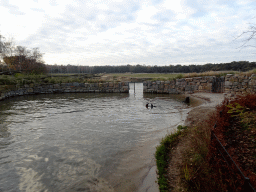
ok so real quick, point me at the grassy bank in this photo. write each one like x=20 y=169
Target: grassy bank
x=162 y=156
x=7 y=82
x=168 y=76
x=202 y=167
x=19 y=78
x=152 y=76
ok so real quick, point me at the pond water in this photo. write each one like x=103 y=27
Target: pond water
x=78 y=142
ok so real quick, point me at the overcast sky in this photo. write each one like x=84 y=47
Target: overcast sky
x=116 y=32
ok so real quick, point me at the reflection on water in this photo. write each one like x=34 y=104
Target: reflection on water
x=71 y=142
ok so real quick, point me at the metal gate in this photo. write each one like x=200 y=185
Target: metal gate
x=218 y=85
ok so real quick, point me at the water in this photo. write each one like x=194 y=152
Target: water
x=77 y=142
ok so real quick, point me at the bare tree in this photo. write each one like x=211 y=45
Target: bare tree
x=36 y=55
x=1 y=44
x=250 y=36
x=20 y=57
x=21 y=51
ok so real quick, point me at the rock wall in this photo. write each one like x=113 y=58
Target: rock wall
x=239 y=84
x=185 y=85
x=231 y=85
x=109 y=87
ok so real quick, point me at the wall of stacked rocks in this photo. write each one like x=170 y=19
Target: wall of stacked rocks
x=231 y=85
x=108 y=87
x=185 y=85
x=239 y=84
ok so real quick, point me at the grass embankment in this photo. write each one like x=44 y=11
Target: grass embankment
x=9 y=82
x=161 y=155
x=167 y=76
x=172 y=76
x=152 y=76
x=21 y=79
x=202 y=166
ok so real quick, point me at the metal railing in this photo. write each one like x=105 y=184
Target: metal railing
x=247 y=186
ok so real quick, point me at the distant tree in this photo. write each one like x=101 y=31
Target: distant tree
x=2 y=45
x=6 y=47
x=21 y=58
x=26 y=60
x=235 y=65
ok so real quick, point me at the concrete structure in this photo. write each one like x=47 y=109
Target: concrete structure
x=108 y=87
x=231 y=85
x=185 y=85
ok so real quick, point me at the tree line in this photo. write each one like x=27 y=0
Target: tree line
x=20 y=58
x=233 y=66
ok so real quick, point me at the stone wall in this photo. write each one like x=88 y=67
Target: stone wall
x=239 y=84
x=185 y=85
x=108 y=87
x=231 y=85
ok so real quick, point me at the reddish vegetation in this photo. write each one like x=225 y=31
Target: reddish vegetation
x=236 y=129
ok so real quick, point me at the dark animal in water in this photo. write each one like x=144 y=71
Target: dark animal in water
x=151 y=105
x=187 y=100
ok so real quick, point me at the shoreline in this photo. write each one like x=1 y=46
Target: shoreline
x=195 y=117
x=201 y=101
x=149 y=182
x=137 y=169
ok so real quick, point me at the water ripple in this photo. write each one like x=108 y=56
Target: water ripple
x=66 y=142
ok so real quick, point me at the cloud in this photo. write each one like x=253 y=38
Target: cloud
x=164 y=16
x=13 y=9
x=157 y=32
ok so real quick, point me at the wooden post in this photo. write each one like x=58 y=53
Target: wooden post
x=134 y=87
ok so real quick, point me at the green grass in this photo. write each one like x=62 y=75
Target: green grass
x=161 y=156
x=8 y=81
x=21 y=79
x=152 y=76
x=169 y=76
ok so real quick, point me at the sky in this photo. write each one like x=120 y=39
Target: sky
x=146 y=32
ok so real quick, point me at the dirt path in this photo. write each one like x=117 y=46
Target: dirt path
x=195 y=116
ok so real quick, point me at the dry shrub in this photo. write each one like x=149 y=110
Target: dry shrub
x=227 y=122
x=196 y=171
x=209 y=73
x=204 y=168
x=250 y=72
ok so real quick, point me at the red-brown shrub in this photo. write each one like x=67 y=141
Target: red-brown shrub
x=226 y=124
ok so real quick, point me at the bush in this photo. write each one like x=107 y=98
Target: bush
x=180 y=76
x=203 y=168
x=180 y=127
